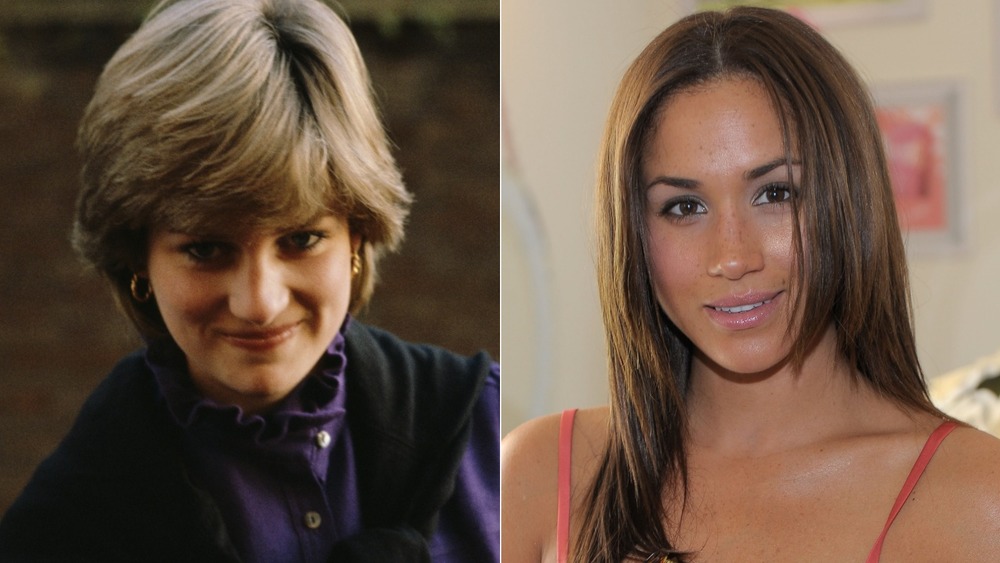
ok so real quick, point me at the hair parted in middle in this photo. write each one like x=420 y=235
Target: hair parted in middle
x=847 y=226
x=222 y=116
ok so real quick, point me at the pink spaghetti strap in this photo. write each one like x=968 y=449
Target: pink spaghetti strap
x=935 y=439
x=565 y=462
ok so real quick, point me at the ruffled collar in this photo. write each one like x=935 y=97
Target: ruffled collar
x=317 y=403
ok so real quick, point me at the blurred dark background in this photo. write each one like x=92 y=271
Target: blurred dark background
x=435 y=65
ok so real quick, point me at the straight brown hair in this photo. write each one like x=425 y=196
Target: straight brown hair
x=853 y=274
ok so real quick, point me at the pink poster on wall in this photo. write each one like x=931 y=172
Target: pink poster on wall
x=921 y=127
x=915 y=149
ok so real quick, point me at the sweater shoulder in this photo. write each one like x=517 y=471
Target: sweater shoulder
x=404 y=371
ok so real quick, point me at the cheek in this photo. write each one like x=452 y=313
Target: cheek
x=674 y=267
x=780 y=247
x=180 y=296
x=185 y=301
x=327 y=281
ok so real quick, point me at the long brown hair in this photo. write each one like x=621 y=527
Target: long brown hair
x=853 y=275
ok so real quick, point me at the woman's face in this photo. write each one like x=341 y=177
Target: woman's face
x=720 y=223
x=253 y=313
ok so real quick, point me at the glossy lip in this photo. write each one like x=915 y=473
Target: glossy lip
x=746 y=311
x=260 y=340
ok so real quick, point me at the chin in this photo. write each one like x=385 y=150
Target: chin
x=277 y=380
x=264 y=383
x=744 y=366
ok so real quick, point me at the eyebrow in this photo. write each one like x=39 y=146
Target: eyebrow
x=764 y=169
x=752 y=174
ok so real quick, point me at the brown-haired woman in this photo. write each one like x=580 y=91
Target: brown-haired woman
x=766 y=399
x=238 y=191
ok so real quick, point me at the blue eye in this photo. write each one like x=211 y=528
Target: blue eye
x=304 y=240
x=203 y=251
x=774 y=193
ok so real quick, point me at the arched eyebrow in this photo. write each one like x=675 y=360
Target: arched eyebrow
x=755 y=173
x=752 y=174
x=684 y=183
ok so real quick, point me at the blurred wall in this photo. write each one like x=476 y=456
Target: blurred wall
x=561 y=62
x=436 y=74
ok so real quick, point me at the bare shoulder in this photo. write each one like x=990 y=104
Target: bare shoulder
x=961 y=488
x=970 y=459
x=529 y=458
x=529 y=465
x=529 y=453
x=528 y=479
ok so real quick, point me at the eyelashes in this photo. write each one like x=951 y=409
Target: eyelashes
x=681 y=207
x=203 y=251
x=687 y=207
x=303 y=240
x=217 y=252
x=774 y=194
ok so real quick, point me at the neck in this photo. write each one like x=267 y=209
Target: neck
x=778 y=409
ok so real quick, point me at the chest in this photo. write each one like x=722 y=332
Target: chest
x=804 y=506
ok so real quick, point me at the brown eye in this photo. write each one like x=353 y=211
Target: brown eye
x=774 y=193
x=677 y=208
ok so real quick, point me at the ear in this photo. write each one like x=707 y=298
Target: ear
x=356 y=243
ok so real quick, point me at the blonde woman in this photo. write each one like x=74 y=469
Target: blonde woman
x=238 y=191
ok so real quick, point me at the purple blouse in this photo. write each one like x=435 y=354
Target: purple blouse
x=285 y=481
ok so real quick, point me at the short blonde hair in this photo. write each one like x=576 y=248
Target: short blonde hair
x=233 y=114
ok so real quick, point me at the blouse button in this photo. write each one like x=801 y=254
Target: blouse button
x=323 y=438
x=313 y=520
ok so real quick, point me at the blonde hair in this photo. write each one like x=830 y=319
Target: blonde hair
x=223 y=115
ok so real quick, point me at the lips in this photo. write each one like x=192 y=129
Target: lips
x=259 y=340
x=745 y=311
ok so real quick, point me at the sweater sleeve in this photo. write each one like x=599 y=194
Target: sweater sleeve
x=469 y=525
x=115 y=490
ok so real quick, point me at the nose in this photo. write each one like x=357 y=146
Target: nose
x=258 y=290
x=735 y=247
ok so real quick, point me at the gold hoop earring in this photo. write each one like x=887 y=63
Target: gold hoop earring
x=355 y=263
x=140 y=294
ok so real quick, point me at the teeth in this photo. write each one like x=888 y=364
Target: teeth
x=741 y=308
